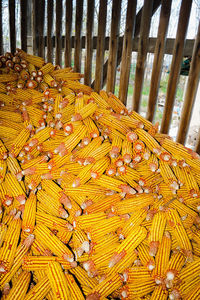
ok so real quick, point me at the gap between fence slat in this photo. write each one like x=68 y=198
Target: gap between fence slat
x=78 y=30
x=100 y=45
x=89 y=44
x=191 y=90
x=12 y=25
x=176 y=64
x=127 y=50
x=158 y=58
x=113 y=46
x=68 y=32
x=23 y=21
x=142 y=53
x=58 y=31
x=49 y=30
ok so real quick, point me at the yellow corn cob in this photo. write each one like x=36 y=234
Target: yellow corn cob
x=7 y=252
x=73 y=287
x=137 y=289
x=29 y=214
x=43 y=234
x=136 y=273
x=156 y=232
x=159 y=293
x=107 y=286
x=58 y=281
x=40 y=290
x=47 y=68
x=20 y=288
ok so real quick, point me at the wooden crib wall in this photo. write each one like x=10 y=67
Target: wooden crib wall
x=34 y=14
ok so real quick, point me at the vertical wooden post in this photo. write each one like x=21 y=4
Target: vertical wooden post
x=12 y=25
x=197 y=148
x=142 y=53
x=58 y=30
x=100 y=45
x=38 y=27
x=176 y=64
x=23 y=19
x=191 y=90
x=113 y=46
x=78 y=29
x=127 y=50
x=1 y=31
x=68 y=31
x=158 y=58
x=49 y=29
x=89 y=45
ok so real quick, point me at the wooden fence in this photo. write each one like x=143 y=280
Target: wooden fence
x=37 y=17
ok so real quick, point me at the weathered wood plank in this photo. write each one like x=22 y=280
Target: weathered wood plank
x=89 y=46
x=191 y=90
x=68 y=32
x=78 y=29
x=113 y=46
x=176 y=64
x=49 y=30
x=23 y=21
x=127 y=50
x=58 y=31
x=38 y=27
x=187 y=51
x=197 y=148
x=11 y=6
x=158 y=58
x=1 y=32
x=100 y=45
x=142 y=53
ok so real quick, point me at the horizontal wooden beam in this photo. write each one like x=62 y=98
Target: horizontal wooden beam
x=151 y=47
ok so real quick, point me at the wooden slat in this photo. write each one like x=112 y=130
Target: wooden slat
x=38 y=27
x=158 y=58
x=127 y=50
x=89 y=46
x=12 y=25
x=1 y=34
x=142 y=53
x=191 y=90
x=197 y=148
x=58 y=31
x=49 y=29
x=41 y=6
x=113 y=46
x=176 y=64
x=68 y=32
x=78 y=29
x=23 y=20
x=100 y=45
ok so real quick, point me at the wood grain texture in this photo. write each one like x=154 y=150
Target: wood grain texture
x=89 y=42
x=142 y=53
x=78 y=30
x=100 y=45
x=68 y=32
x=127 y=50
x=23 y=21
x=158 y=58
x=1 y=31
x=49 y=30
x=11 y=6
x=176 y=64
x=197 y=148
x=58 y=30
x=113 y=46
x=38 y=13
x=191 y=90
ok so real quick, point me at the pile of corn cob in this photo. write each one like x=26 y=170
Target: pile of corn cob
x=95 y=202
